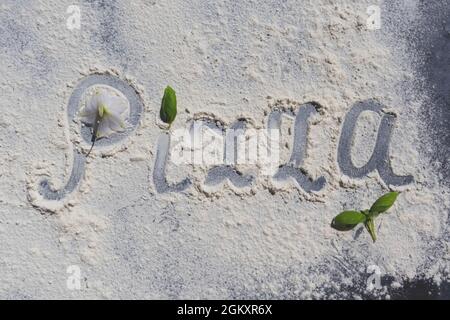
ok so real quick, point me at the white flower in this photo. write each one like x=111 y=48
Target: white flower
x=108 y=106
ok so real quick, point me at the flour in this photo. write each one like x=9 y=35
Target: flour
x=230 y=61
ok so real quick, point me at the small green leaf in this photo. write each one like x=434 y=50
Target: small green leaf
x=347 y=220
x=168 y=106
x=370 y=226
x=383 y=203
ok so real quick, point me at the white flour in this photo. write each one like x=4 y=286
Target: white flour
x=232 y=60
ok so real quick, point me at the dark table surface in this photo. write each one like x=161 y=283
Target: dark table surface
x=429 y=38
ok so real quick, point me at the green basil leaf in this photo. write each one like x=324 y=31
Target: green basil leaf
x=168 y=106
x=370 y=226
x=383 y=203
x=347 y=220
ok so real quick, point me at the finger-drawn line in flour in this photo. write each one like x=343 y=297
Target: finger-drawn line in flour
x=227 y=170
x=218 y=175
x=159 y=171
x=293 y=168
x=79 y=158
x=379 y=159
x=78 y=167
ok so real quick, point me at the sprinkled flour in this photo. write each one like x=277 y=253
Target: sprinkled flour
x=229 y=60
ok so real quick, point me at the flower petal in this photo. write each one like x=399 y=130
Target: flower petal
x=114 y=123
x=89 y=112
x=104 y=129
x=112 y=108
x=88 y=118
x=118 y=106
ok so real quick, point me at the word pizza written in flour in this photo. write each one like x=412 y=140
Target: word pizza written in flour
x=227 y=147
